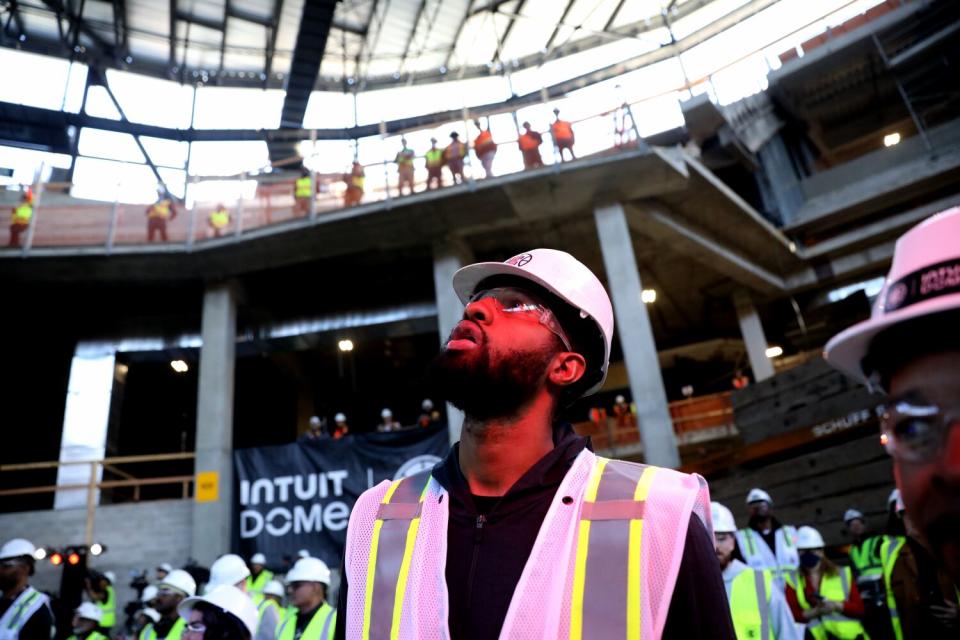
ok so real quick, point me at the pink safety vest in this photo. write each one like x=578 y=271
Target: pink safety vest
x=604 y=564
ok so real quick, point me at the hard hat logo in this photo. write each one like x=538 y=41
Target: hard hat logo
x=521 y=260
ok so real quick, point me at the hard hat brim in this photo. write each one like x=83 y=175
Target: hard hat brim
x=846 y=350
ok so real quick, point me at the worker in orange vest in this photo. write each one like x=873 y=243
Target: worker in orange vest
x=485 y=148
x=453 y=156
x=158 y=214
x=434 y=166
x=530 y=143
x=355 y=183
x=22 y=213
x=562 y=132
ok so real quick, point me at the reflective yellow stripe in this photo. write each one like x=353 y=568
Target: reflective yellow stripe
x=580 y=566
x=372 y=564
x=404 y=571
x=633 y=568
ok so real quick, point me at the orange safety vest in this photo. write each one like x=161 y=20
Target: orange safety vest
x=484 y=142
x=455 y=151
x=562 y=130
x=160 y=210
x=528 y=142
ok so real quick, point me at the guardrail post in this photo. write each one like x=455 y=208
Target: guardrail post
x=91 y=502
x=114 y=214
x=313 y=177
x=38 y=193
x=193 y=221
x=239 y=225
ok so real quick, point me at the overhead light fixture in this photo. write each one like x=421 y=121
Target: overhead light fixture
x=179 y=366
x=40 y=553
x=345 y=345
x=774 y=352
x=96 y=549
x=891 y=139
x=648 y=296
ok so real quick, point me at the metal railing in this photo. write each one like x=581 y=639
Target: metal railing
x=96 y=483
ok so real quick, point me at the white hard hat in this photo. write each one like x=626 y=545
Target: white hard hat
x=427 y=404
x=274 y=588
x=899 y=506
x=149 y=593
x=303 y=553
x=759 y=495
x=309 y=570
x=110 y=576
x=229 y=599
x=89 y=611
x=619 y=400
x=340 y=418
x=258 y=558
x=852 y=514
x=893 y=498
x=927 y=249
x=153 y=614
x=165 y=566
x=314 y=421
x=386 y=413
x=562 y=275
x=16 y=548
x=228 y=569
x=809 y=538
x=723 y=521
x=181 y=581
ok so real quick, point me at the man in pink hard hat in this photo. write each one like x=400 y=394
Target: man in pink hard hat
x=910 y=350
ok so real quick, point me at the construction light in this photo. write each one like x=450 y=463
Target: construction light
x=96 y=549
x=73 y=558
x=891 y=139
x=40 y=553
x=774 y=352
x=56 y=559
x=179 y=366
x=648 y=296
x=345 y=345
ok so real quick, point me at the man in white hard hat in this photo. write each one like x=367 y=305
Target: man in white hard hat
x=86 y=619
x=100 y=588
x=258 y=577
x=24 y=612
x=162 y=570
x=387 y=423
x=910 y=349
x=766 y=543
x=340 y=427
x=172 y=590
x=522 y=531
x=866 y=560
x=315 y=432
x=273 y=598
x=224 y=613
x=230 y=569
x=757 y=606
x=308 y=582
x=144 y=624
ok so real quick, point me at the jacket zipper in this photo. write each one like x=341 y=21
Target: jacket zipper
x=477 y=538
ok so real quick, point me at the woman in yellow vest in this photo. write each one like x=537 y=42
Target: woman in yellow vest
x=823 y=595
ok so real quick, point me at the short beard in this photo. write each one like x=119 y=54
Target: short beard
x=485 y=391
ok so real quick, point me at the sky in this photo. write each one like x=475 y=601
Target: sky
x=728 y=67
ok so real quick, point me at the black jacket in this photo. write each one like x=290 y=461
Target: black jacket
x=490 y=539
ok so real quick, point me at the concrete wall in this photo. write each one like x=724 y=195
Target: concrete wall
x=137 y=536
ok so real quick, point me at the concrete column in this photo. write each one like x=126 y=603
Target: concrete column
x=213 y=512
x=448 y=256
x=636 y=337
x=753 y=336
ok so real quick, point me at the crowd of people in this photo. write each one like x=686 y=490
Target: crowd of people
x=320 y=429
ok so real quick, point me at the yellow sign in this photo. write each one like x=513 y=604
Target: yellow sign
x=207 y=486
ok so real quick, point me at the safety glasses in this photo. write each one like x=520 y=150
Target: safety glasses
x=915 y=430
x=522 y=304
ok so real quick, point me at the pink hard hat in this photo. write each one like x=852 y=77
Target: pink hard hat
x=924 y=279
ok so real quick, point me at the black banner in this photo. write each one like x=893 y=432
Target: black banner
x=299 y=496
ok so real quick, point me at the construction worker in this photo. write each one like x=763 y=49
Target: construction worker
x=162 y=570
x=909 y=349
x=625 y=413
x=429 y=416
x=308 y=582
x=340 y=427
x=100 y=588
x=25 y=613
x=404 y=162
x=434 y=159
x=355 y=181
x=316 y=430
x=158 y=215
x=562 y=132
x=258 y=577
x=20 y=221
x=529 y=143
x=453 y=157
x=866 y=560
x=921 y=597
x=758 y=608
x=86 y=619
x=145 y=621
x=521 y=516
x=387 y=423
x=230 y=569
x=485 y=148
x=219 y=220
x=302 y=193
x=273 y=599
x=766 y=543
x=175 y=587
x=822 y=595
x=224 y=613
